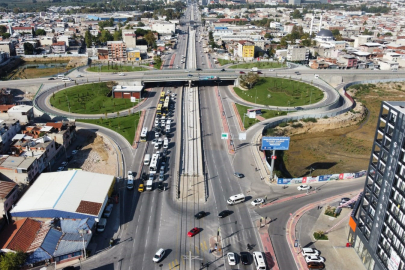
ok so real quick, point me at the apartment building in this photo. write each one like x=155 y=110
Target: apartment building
x=377 y=224
x=59 y=47
x=129 y=38
x=297 y=53
x=117 y=51
x=246 y=49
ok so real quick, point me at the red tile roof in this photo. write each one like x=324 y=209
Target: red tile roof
x=87 y=207
x=54 y=125
x=59 y=43
x=5 y=108
x=19 y=235
x=5 y=188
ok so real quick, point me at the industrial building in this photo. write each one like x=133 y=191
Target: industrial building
x=66 y=194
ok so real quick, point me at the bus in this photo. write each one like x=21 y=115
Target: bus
x=159 y=109
x=166 y=104
x=162 y=95
x=144 y=134
x=153 y=164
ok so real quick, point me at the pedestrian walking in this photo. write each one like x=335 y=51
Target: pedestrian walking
x=265 y=198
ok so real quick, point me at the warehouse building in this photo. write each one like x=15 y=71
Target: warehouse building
x=67 y=195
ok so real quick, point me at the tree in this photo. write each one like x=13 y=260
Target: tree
x=3 y=29
x=296 y=14
x=267 y=35
x=40 y=32
x=88 y=39
x=141 y=24
x=28 y=48
x=150 y=38
x=12 y=261
x=106 y=36
x=249 y=80
x=306 y=42
x=117 y=35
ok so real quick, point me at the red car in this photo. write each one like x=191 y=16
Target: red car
x=193 y=232
x=241 y=72
x=259 y=72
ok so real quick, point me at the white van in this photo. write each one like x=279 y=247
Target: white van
x=259 y=260
x=66 y=79
x=167 y=128
x=149 y=185
x=61 y=76
x=101 y=225
x=236 y=199
x=166 y=143
x=146 y=160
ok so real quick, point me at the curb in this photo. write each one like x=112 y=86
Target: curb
x=138 y=130
x=242 y=128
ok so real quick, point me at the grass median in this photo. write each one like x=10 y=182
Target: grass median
x=115 y=68
x=259 y=65
x=93 y=98
x=223 y=61
x=125 y=125
x=242 y=110
x=281 y=92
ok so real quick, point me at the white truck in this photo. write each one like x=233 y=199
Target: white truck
x=149 y=185
x=254 y=69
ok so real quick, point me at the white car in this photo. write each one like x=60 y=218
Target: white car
x=79 y=76
x=156 y=134
x=159 y=255
x=121 y=74
x=154 y=141
x=156 y=124
x=160 y=141
x=258 y=201
x=231 y=258
x=314 y=258
x=271 y=69
x=310 y=252
x=303 y=187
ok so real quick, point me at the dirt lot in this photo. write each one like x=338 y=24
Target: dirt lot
x=343 y=143
x=97 y=156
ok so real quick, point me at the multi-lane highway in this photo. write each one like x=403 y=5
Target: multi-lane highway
x=198 y=168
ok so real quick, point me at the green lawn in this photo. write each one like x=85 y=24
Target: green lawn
x=223 y=61
x=251 y=121
x=258 y=65
x=281 y=92
x=89 y=99
x=126 y=125
x=116 y=68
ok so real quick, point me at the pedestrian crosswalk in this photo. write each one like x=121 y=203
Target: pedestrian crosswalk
x=198 y=249
x=233 y=239
x=253 y=214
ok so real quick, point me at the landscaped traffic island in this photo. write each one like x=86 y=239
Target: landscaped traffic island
x=281 y=92
x=93 y=98
x=115 y=68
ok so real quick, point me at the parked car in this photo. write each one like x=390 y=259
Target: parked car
x=51 y=79
x=315 y=265
x=242 y=72
x=344 y=200
x=121 y=74
x=108 y=210
x=303 y=187
x=310 y=252
x=314 y=258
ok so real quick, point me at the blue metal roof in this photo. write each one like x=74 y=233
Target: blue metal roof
x=38 y=255
x=72 y=226
x=71 y=243
x=51 y=240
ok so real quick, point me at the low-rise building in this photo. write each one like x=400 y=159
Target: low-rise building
x=388 y=65
x=8 y=129
x=21 y=170
x=164 y=27
x=59 y=47
x=134 y=54
x=129 y=37
x=8 y=47
x=347 y=61
x=8 y=196
x=22 y=113
x=125 y=91
x=246 y=49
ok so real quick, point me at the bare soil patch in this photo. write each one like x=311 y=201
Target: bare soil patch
x=343 y=143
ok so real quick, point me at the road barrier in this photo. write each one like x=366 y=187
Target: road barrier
x=321 y=178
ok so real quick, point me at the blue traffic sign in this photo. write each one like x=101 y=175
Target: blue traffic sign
x=275 y=143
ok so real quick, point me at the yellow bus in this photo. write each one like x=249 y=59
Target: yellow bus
x=159 y=109
x=162 y=95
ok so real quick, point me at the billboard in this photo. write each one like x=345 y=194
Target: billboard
x=275 y=143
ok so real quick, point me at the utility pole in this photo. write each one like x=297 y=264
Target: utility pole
x=190 y=258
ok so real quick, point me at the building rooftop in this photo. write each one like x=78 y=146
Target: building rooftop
x=20 y=108
x=19 y=235
x=67 y=191
x=5 y=188
x=12 y=162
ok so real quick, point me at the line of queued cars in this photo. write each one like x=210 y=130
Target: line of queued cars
x=313 y=258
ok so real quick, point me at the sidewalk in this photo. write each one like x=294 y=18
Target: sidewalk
x=268 y=249
x=291 y=233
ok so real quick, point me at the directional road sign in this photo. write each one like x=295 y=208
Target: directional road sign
x=224 y=136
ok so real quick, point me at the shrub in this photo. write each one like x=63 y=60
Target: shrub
x=330 y=211
x=298 y=125
x=325 y=117
x=313 y=120
x=320 y=235
x=283 y=124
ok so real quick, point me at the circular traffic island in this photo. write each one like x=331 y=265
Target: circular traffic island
x=280 y=92
x=93 y=98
